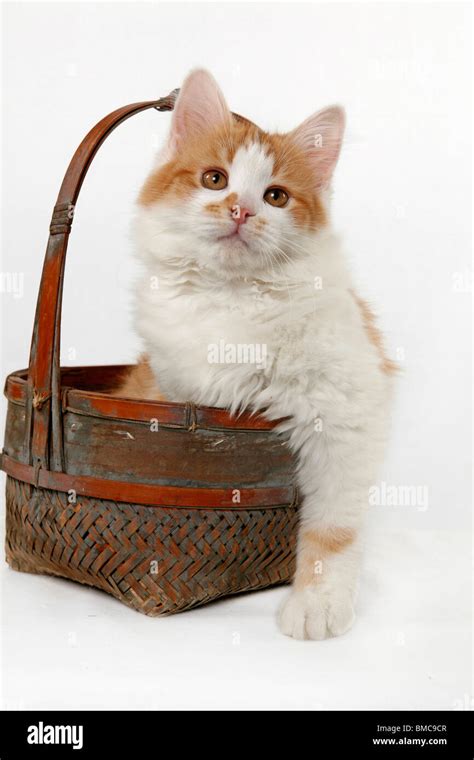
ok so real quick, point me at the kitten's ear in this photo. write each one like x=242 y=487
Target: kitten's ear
x=199 y=107
x=320 y=137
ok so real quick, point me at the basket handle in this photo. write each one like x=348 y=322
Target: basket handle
x=43 y=403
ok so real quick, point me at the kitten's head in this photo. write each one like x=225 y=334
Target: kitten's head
x=237 y=199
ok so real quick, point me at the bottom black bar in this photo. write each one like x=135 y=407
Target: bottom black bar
x=415 y=734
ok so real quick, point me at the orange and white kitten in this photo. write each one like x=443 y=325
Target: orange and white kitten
x=233 y=226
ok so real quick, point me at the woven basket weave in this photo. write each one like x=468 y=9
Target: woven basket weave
x=162 y=520
x=156 y=560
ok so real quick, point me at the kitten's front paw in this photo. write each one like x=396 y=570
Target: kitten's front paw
x=314 y=613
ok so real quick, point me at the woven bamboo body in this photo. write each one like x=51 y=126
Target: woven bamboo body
x=155 y=560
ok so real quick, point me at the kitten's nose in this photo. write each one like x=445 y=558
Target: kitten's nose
x=240 y=214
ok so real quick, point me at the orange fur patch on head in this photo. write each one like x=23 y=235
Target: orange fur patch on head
x=181 y=176
x=178 y=178
x=314 y=548
x=224 y=206
x=292 y=170
x=375 y=336
x=213 y=208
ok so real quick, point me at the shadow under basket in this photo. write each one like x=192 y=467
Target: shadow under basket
x=165 y=506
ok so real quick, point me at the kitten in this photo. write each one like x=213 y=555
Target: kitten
x=233 y=229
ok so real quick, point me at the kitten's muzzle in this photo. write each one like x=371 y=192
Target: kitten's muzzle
x=240 y=214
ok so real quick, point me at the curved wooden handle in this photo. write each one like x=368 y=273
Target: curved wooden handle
x=44 y=430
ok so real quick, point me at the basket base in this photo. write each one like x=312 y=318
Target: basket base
x=155 y=560
x=19 y=564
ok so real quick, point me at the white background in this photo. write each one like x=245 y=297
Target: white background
x=403 y=204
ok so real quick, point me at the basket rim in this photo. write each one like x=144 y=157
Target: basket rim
x=99 y=403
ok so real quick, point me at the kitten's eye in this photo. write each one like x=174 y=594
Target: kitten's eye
x=275 y=196
x=214 y=180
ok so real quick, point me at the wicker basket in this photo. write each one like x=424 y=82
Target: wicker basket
x=163 y=505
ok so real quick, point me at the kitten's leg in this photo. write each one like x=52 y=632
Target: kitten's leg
x=337 y=468
x=139 y=383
